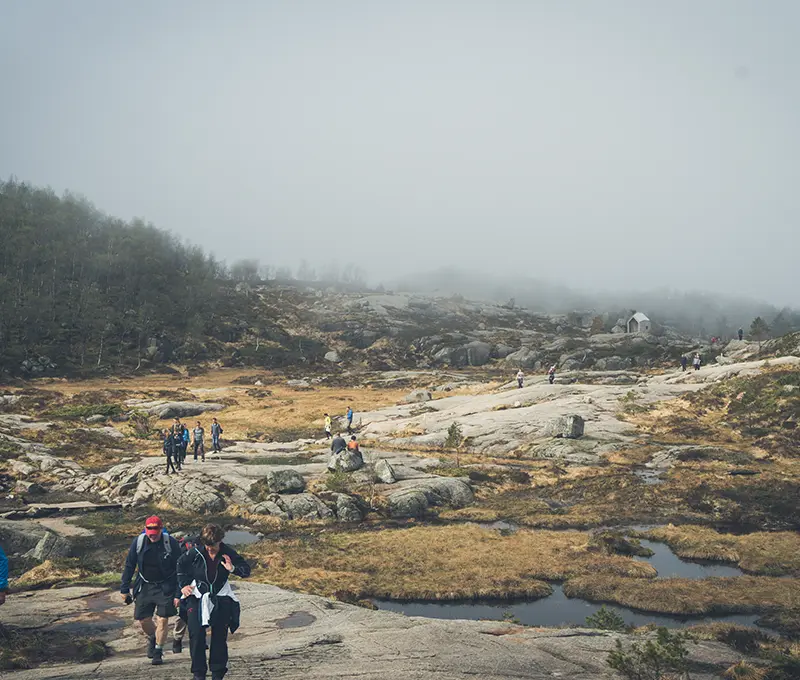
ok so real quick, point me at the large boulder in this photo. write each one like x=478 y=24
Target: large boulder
x=568 y=427
x=345 y=461
x=347 y=509
x=50 y=546
x=524 y=358
x=174 y=409
x=195 y=496
x=270 y=507
x=304 y=506
x=285 y=481
x=446 y=491
x=384 y=472
x=418 y=397
x=333 y=357
x=478 y=353
x=408 y=503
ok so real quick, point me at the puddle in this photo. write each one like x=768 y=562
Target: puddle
x=296 y=620
x=669 y=565
x=240 y=537
x=555 y=611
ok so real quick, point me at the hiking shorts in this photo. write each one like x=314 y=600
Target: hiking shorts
x=152 y=599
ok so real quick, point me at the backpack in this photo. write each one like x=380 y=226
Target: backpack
x=165 y=537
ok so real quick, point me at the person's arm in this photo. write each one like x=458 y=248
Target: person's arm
x=240 y=566
x=130 y=568
x=175 y=550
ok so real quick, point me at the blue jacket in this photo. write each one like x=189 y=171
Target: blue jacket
x=168 y=563
x=3 y=570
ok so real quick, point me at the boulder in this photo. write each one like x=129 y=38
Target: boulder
x=195 y=496
x=305 y=506
x=345 y=461
x=523 y=358
x=446 y=491
x=478 y=353
x=418 y=397
x=385 y=472
x=271 y=508
x=97 y=418
x=568 y=427
x=174 y=409
x=613 y=363
x=501 y=351
x=408 y=503
x=20 y=468
x=333 y=357
x=347 y=509
x=50 y=546
x=285 y=481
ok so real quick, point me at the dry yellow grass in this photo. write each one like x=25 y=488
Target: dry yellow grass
x=771 y=553
x=689 y=596
x=437 y=563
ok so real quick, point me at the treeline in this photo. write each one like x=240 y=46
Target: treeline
x=81 y=290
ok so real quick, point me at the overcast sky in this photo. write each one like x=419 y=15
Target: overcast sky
x=603 y=144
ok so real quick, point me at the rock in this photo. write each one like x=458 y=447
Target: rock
x=285 y=481
x=407 y=503
x=50 y=546
x=333 y=357
x=613 y=363
x=347 y=509
x=418 y=396
x=305 y=506
x=523 y=358
x=97 y=418
x=385 y=472
x=29 y=488
x=195 y=496
x=568 y=427
x=501 y=351
x=478 y=353
x=174 y=409
x=271 y=508
x=345 y=461
x=446 y=491
x=21 y=468
x=298 y=383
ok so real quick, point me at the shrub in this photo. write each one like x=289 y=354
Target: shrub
x=606 y=619
x=652 y=659
x=143 y=425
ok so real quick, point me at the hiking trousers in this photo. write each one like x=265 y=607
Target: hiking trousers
x=170 y=464
x=199 y=449
x=215 y=443
x=218 y=647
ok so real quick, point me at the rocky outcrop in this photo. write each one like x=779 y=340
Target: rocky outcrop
x=568 y=427
x=418 y=396
x=384 y=472
x=304 y=506
x=195 y=496
x=173 y=409
x=434 y=491
x=285 y=481
x=347 y=509
x=345 y=461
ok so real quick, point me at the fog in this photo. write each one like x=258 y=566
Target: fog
x=601 y=145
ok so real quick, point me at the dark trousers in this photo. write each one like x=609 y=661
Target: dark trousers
x=552 y=378
x=199 y=449
x=170 y=464
x=519 y=383
x=215 y=443
x=349 y=427
x=218 y=648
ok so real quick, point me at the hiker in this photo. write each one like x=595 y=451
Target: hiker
x=684 y=362
x=154 y=556
x=197 y=441
x=338 y=444
x=207 y=600
x=170 y=452
x=349 y=416
x=352 y=445
x=184 y=443
x=741 y=334
x=3 y=576
x=177 y=435
x=520 y=378
x=552 y=374
x=216 y=431
x=697 y=361
x=179 y=631
x=328 y=426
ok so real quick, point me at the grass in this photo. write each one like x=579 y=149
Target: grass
x=743 y=594
x=768 y=553
x=436 y=563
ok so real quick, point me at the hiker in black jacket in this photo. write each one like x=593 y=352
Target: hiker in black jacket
x=171 y=452
x=153 y=555
x=208 y=600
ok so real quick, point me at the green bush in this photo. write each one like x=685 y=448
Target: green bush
x=652 y=659
x=606 y=619
x=79 y=411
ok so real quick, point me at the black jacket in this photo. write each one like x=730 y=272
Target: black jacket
x=338 y=444
x=170 y=449
x=193 y=566
x=168 y=564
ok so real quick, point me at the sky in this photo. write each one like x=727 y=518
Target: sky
x=622 y=144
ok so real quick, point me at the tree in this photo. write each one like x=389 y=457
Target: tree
x=454 y=440
x=759 y=330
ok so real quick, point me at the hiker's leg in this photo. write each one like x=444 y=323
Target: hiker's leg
x=197 y=638
x=162 y=630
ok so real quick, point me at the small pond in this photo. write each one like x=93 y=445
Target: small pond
x=241 y=537
x=559 y=610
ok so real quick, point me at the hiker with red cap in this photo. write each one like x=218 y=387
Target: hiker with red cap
x=153 y=556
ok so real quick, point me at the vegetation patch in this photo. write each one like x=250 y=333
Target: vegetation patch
x=437 y=563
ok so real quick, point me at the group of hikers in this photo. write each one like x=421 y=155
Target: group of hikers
x=187 y=579
x=329 y=423
x=697 y=361
x=551 y=376
x=178 y=438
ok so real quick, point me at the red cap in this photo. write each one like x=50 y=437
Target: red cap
x=153 y=526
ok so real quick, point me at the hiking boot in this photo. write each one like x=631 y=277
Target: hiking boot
x=199 y=676
x=158 y=657
x=177 y=646
x=217 y=676
x=151 y=647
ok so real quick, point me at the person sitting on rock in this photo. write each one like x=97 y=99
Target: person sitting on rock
x=352 y=445
x=520 y=378
x=338 y=444
x=153 y=556
x=171 y=452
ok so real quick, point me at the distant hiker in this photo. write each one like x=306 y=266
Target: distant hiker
x=741 y=334
x=338 y=444
x=349 y=416
x=696 y=362
x=3 y=576
x=170 y=452
x=208 y=601
x=197 y=441
x=520 y=378
x=684 y=362
x=328 y=426
x=352 y=445
x=551 y=374
x=184 y=443
x=178 y=431
x=216 y=431
x=154 y=555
